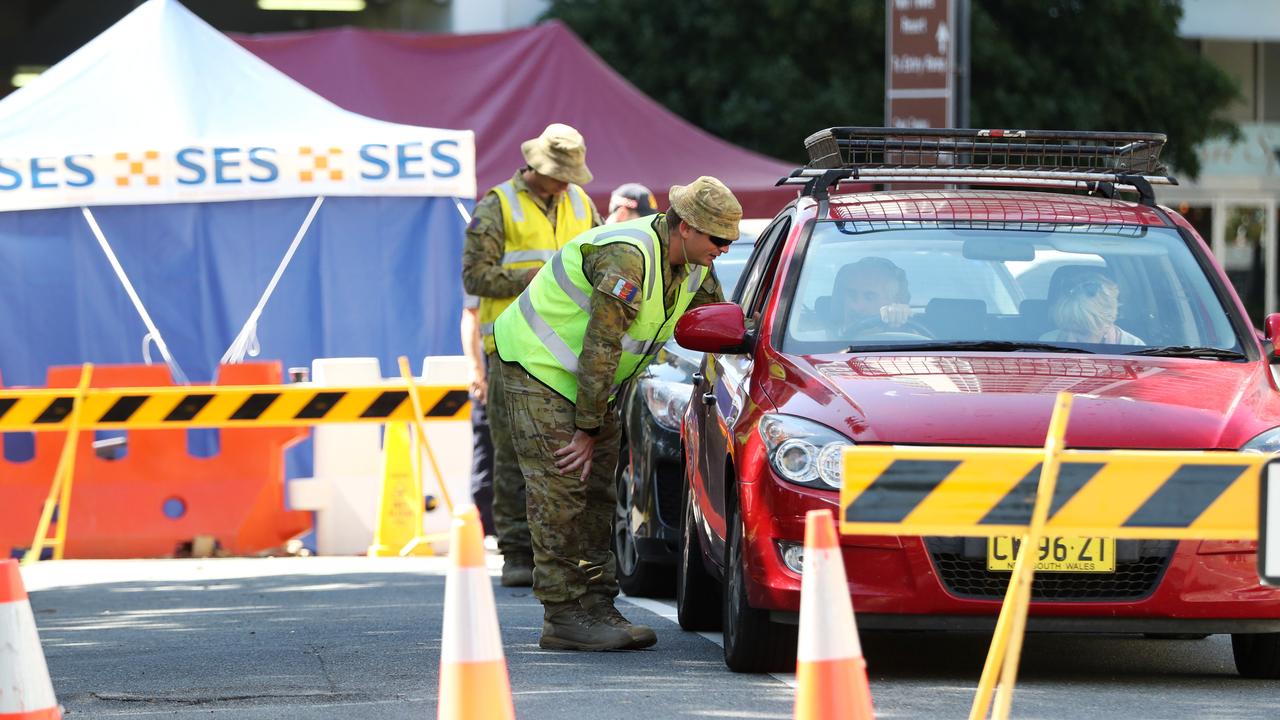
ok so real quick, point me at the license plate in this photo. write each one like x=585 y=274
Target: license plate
x=1057 y=554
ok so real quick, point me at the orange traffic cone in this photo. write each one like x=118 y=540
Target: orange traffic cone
x=25 y=690
x=473 y=671
x=831 y=676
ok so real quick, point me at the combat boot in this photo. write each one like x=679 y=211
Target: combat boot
x=602 y=607
x=568 y=626
x=517 y=571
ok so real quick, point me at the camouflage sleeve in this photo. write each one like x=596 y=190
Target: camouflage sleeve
x=617 y=273
x=709 y=292
x=482 y=271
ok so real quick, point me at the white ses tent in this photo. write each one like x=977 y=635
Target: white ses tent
x=164 y=154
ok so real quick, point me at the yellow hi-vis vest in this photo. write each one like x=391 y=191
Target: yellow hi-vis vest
x=530 y=239
x=544 y=329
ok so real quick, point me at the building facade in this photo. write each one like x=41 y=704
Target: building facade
x=1234 y=202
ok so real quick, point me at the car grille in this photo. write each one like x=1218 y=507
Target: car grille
x=962 y=566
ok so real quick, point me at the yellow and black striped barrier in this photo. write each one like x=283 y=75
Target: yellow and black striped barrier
x=1069 y=504
x=150 y=408
x=226 y=406
x=990 y=492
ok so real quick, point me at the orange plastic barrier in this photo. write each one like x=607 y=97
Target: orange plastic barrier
x=158 y=496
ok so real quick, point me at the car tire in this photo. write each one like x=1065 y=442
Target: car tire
x=752 y=642
x=1257 y=654
x=697 y=593
x=635 y=575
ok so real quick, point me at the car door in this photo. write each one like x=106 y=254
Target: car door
x=721 y=391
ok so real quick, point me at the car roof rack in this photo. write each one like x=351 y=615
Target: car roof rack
x=1100 y=162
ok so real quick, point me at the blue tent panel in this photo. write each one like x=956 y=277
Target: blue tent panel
x=373 y=277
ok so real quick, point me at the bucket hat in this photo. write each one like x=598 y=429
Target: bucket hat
x=560 y=153
x=708 y=206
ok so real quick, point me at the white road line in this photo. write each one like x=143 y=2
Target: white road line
x=667 y=611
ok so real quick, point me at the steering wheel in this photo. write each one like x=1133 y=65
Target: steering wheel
x=876 y=329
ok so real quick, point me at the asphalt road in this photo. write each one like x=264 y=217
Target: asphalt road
x=351 y=638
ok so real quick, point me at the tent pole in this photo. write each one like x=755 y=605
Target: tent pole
x=246 y=341
x=178 y=376
x=462 y=210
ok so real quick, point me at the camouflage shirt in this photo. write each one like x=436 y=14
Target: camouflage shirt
x=482 y=271
x=611 y=316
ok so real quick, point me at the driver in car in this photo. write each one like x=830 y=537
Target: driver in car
x=867 y=294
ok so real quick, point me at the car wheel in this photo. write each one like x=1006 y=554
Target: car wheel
x=752 y=642
x=635 y=575
x=697 y=593
x=1257 y=654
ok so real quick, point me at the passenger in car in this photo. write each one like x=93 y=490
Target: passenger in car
x=1087 y=313
x=869 y=290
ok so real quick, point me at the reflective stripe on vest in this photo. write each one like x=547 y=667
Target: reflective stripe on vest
x=508 y=190
x=524 y=256
x=529 y=240
x=545 y=331
x=563 y=354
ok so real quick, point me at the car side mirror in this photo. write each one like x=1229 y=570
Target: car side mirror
x=1271 y=330
x=714 y=328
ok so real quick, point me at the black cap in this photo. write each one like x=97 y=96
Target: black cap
x=634 y=196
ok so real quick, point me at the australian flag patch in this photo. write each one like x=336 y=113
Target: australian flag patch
x=625 y=290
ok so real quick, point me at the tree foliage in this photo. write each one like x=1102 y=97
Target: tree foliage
x=766 y=73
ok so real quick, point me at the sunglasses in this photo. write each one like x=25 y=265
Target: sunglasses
x=1091 y=288
x=719 y=242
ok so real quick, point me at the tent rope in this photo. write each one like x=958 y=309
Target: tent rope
x=152 y=331
x=246 y=342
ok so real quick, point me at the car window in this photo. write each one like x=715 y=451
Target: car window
x=756 y=266
x=730 y=265
x=768 y=261
x=1109 y=288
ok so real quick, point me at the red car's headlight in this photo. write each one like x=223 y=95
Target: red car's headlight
x=1267 y=443
x=803 y=451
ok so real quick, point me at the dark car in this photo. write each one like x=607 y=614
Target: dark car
x=650 y=469
x=1135 y=318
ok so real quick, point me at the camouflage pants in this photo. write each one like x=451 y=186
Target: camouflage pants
x=510 y=518
x=570 y=521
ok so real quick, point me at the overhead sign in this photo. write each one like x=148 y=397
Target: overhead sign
x=417 y=162
x=1269 y=525
x=989 y=492
x=920 y=61
x=227 y=406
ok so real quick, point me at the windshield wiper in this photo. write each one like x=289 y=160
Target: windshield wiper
x=974 y=345
x=1190 y=351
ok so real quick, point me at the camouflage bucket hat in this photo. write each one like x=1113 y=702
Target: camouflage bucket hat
x=708 y=206
x=560 y=153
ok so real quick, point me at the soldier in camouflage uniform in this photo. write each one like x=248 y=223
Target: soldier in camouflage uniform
x=514 y=230
x=589 y=321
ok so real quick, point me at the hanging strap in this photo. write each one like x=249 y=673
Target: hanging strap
x=246 y=342
x=153 y=333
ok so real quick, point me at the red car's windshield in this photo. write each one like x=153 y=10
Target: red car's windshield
x=1080 y=288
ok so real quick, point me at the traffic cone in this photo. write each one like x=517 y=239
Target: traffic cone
x=25 y=690
x=831 y=676
x=473 y=671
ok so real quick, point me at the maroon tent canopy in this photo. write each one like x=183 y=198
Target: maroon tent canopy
x=507 y=87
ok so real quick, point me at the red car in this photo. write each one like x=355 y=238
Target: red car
x=954 y=317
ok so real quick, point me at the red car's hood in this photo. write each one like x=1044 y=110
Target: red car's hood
x=1005 y=400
